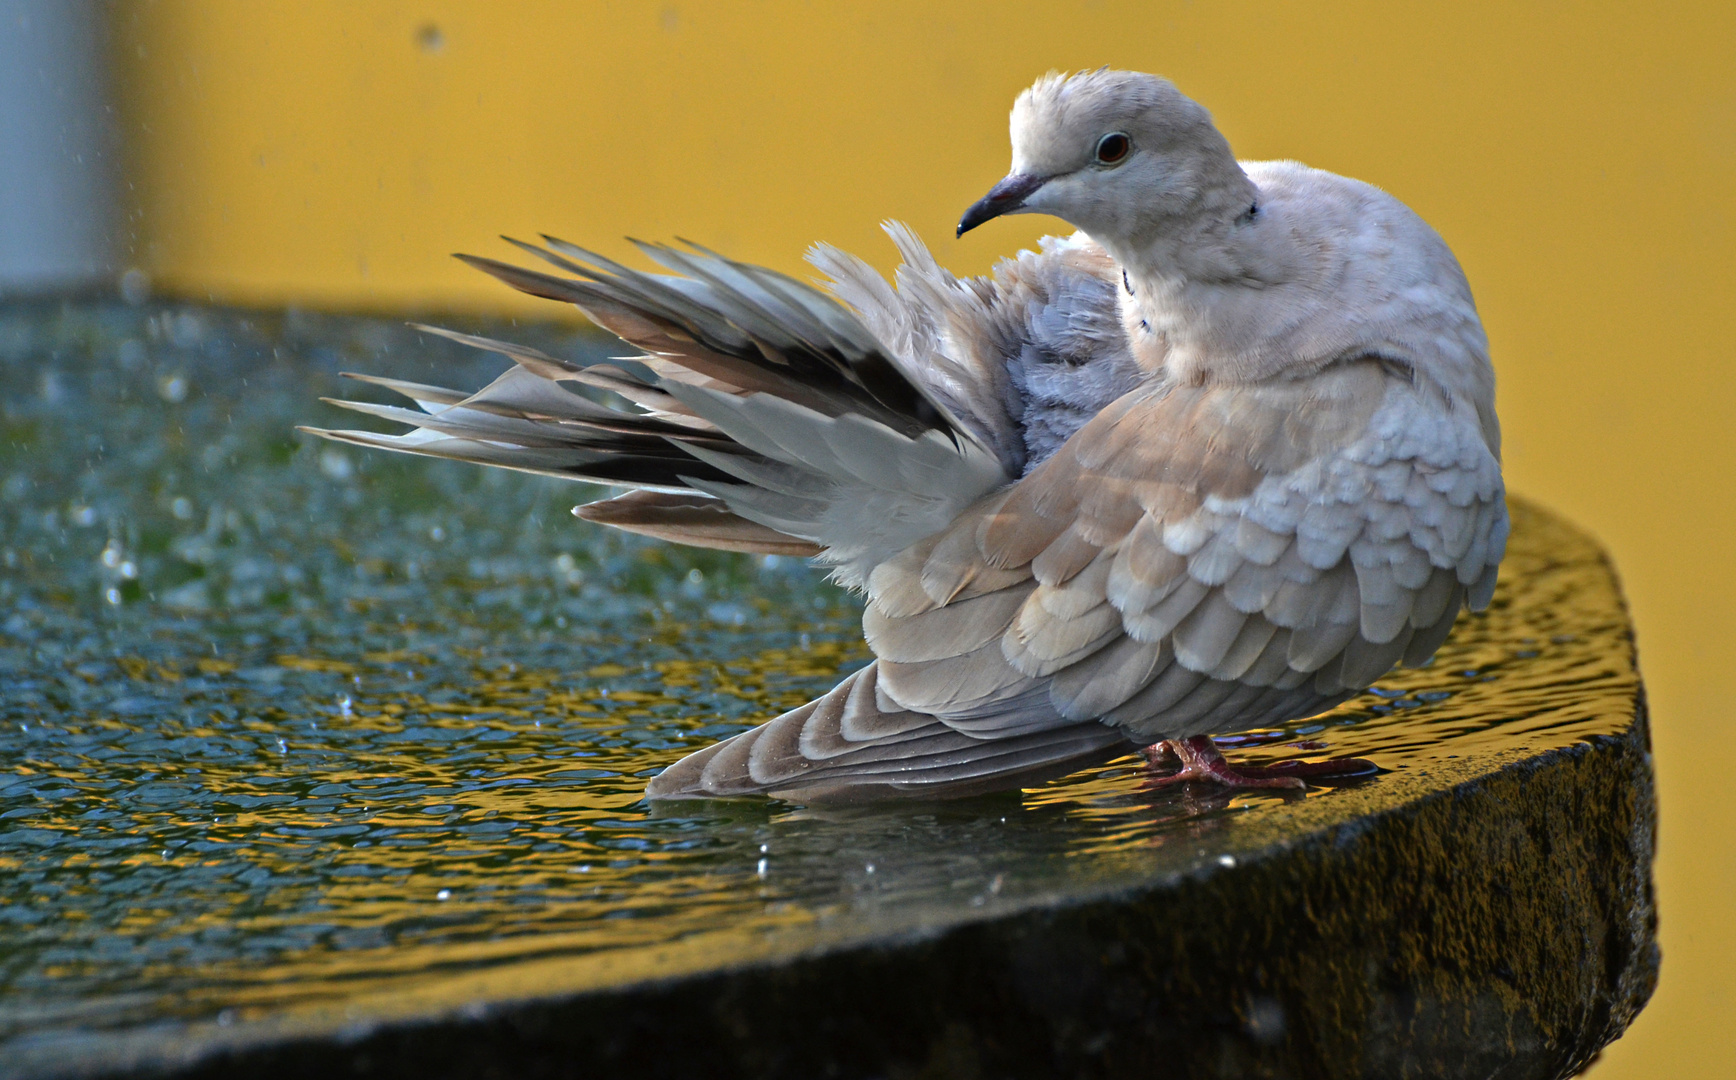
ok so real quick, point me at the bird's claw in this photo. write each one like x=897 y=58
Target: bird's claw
x=1201 y=760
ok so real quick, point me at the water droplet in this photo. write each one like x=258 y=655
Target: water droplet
x=1226 y=861
x=336 y=464
x=762 y=868
x=182 y=508
x=172 y=388
x=186 y=329
x=83 y=516
x=135 y=287
x=443 y=894
x=130 y=354
x=113 y=596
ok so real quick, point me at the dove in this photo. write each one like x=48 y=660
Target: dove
x=1216 y=461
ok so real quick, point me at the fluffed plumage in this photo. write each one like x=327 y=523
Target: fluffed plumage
x=1217 y=461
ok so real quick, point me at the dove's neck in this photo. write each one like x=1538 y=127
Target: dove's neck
x=1203 y=292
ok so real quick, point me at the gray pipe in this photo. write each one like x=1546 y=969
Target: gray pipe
x=58 y=212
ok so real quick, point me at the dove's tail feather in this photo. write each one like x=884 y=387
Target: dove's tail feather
x=766 y=417
x=698 y=520
x=853 y=745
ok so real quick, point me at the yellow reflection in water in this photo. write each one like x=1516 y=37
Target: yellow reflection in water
x=467 y=813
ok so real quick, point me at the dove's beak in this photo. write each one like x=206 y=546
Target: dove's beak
x=1005 y=198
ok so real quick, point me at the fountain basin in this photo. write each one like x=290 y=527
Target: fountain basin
x=313 y=760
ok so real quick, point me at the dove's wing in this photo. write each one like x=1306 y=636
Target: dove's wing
x=769 y=417
x=1202 y=560
x=772 y=418
x=1195 y=560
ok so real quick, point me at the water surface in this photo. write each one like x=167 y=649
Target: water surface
x=285 y=725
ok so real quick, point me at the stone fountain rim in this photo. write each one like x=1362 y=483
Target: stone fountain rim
x=173 y=1047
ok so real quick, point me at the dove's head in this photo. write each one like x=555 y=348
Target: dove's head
x=1118 y=154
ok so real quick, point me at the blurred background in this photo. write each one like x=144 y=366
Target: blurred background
x=1578 y=157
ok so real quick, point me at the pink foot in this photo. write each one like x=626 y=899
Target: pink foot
x=1201 y=760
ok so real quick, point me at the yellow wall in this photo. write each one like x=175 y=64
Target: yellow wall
x=1578 y=160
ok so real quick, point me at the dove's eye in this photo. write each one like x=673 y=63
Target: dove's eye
x=1112 y=147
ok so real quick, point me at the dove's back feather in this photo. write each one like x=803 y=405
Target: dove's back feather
x=1024 y=358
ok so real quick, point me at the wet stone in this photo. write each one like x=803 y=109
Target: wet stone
x=318 y=760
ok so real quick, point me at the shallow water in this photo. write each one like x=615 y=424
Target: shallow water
x=284 y=724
